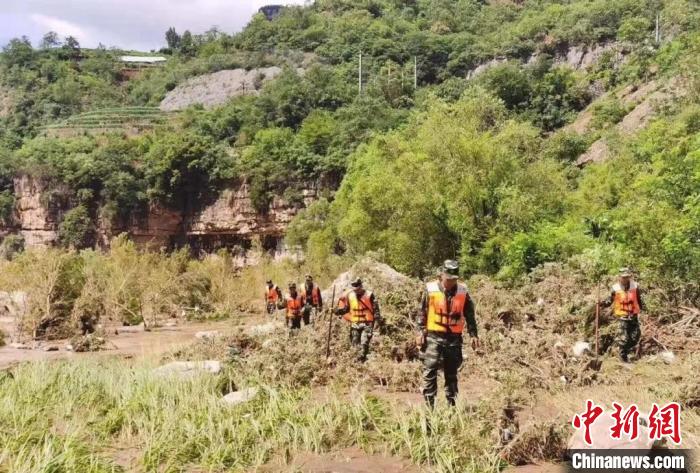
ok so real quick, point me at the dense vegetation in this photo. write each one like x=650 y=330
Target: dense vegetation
x=478 y=168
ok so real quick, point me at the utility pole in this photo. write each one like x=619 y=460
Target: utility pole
x=415 y=72
x=359 y=75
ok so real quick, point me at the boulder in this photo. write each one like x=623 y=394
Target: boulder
x=50 y=348
x=240 y=397
x=601 y=439
x=19 y=346
x=189 y=368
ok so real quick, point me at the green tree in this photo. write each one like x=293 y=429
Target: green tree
x=76 y=229
x=173 y=39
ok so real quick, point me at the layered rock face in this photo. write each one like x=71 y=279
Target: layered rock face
x=37 y=212
x=230 y=221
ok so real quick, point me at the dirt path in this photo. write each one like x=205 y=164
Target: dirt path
x=134 y=344
x=349 y=460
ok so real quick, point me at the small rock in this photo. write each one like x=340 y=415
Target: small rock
x=563 y=379
x=69 y=347
x=19 y=346
x=668 y=357
x=207 y=335
x=268 y=343
x=51 y=348
x=580 y=348
x=239 y=397
x=558 y=345
x=171 y=324
x=540 y=301
x=189 y=368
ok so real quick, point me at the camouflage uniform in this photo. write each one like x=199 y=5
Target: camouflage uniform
x=443 y=351
x=292 y=322
x=361 y=336
x=271 y=306
x=629 y=332
x=629 y=335
x=309 y=306
x=360 y=332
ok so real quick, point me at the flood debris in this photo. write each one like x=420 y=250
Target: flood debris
x=87 y=343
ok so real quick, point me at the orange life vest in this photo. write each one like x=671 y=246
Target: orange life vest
x=361 y=309
x=626 y=303
x=442 y=319
x=294 y=306
x=271 y=294
x=315 y=295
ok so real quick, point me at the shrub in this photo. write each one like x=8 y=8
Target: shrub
x=76 y=229
x=11 y=246
x=607 y=112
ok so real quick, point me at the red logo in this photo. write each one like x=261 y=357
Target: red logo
x=587 y=418
x=627 y=422
x=662 y=421
x=665 y=422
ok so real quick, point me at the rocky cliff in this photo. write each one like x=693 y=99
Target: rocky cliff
x=230 y=221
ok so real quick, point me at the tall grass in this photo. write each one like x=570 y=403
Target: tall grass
x=78 y=416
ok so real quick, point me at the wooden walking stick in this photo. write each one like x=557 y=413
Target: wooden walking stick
x=330 y=324
x=597 y=321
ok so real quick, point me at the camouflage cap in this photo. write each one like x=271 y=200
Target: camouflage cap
x=292 y=285
x=269 y=281
x=625 y=272
x=356 y=283
x=450 y=268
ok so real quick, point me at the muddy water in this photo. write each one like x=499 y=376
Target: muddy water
x=137 y=344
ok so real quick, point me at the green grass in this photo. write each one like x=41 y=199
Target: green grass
x=77 y=416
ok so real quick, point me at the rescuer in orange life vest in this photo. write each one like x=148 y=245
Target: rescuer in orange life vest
x=272 y=296
x=312 y=297
x=446 y=311
x=626 y=301
x=293 y=304
x=359 y=307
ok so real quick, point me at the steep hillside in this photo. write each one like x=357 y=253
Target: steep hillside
x=539 y=87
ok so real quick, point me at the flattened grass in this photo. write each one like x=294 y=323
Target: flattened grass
x=77 y=415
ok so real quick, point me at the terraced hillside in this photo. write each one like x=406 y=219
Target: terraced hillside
x=130 y=120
